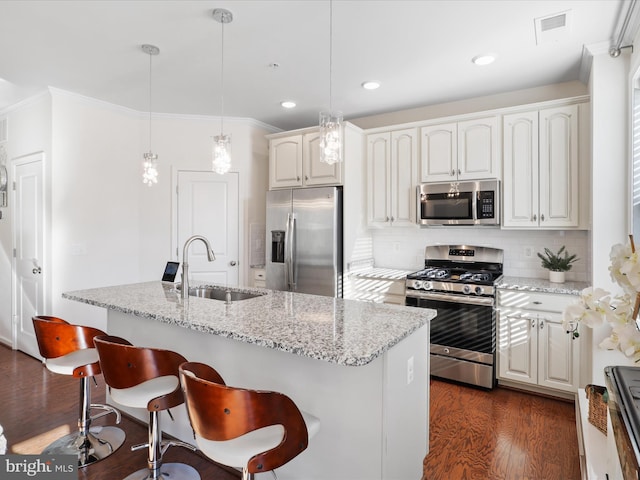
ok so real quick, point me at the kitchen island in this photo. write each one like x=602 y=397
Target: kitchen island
x=361 y=368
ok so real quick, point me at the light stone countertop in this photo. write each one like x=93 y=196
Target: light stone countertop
x=381 y=273
x=345 y=332
x=542 y=285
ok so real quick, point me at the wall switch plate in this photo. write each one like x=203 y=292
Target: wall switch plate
x=528 y=252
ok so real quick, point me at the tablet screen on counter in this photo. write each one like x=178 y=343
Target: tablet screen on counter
x=170 y=271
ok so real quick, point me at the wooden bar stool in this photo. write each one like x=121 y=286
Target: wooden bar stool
x=69 y=350
x=257 y=431
x=148 y=378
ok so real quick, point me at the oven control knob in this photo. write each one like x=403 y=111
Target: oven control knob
x=466 y=289
x=427 y=286
x=479 y=290
x=417 y=284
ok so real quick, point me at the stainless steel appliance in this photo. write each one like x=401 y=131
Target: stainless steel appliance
x=459 y=282
x=304 y=240
x=623 y=389
x=459 y=203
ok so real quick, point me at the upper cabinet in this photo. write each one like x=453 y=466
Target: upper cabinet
x=391 y=166
x=466 y=150
x=541 y=168
x=294 y=161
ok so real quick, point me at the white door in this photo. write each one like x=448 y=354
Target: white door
x=28 y=228
x=207 y=204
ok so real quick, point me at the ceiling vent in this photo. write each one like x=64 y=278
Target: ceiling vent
x=553 y=28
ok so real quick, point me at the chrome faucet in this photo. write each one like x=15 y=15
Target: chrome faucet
x=185 y=264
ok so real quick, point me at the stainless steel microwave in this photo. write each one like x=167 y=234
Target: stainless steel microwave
x=459 y=203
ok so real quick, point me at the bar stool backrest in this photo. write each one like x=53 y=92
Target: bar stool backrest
x=125 y=365
x=219 y=412
x=57 y=337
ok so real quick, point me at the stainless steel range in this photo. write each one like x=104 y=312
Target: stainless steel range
x=459 y=282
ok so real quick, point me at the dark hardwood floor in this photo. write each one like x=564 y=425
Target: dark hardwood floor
x=38 y=406
x=499 y=435
x=502 y=434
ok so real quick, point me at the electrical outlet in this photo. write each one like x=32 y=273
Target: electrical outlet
x=409 y=370
x=528 y=252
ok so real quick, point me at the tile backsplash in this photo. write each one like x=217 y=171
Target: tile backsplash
x=404 y=248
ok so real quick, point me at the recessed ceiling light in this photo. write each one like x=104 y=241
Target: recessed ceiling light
x=371 y=85
x=288 y=104
x=483 y=59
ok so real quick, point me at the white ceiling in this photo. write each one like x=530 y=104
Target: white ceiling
x=419 y=50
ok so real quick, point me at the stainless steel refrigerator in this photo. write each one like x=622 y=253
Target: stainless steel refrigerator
x=304 y=240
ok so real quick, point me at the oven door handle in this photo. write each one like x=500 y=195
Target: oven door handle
x=470 y=300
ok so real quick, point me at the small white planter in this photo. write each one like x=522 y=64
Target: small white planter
x=556 y=277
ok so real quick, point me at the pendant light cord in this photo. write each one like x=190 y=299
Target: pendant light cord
x=150 y=77
x=222 y=80
x=330 y=56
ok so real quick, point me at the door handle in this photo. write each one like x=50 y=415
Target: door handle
x=36 y=270
x=233 y=263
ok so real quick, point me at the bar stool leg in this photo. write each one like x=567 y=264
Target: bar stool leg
x=156 y=470
x=90 y=444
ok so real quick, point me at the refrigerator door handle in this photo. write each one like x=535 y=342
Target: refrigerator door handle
x=292 y=249
x=287 y=259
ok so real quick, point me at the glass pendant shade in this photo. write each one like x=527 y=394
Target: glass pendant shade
x=330 y=137
x=221 y=154
x=150 y=159
x=150 y=169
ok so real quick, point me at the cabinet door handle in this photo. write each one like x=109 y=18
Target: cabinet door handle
x=306 y=177
x=392 y=219
x=541 y=324
x=459 y=172
x=298 y=178
x=453 y=173
x=537 y=302
x=534 y=218
x=533 y=323
x=542 y=217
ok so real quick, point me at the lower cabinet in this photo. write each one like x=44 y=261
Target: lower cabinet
x=533 y=347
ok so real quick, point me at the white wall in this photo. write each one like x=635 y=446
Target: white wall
x=107 y=227
x=29 y=131
x=610 y=198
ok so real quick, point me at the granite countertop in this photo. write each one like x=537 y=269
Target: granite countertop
x=542 y=285
x=345 y=332
x=381 y=273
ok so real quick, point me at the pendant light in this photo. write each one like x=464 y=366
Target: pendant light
x=222 y=142
x=330 y=122
x=150 y=162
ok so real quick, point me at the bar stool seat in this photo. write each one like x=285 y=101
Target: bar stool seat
x=148 y=378
x=69 y=350
x=238 y=451
x=253 y=430
x=139 y=395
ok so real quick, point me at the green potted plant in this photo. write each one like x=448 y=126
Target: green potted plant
x=557 y=263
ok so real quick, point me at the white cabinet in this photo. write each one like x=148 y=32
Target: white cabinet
x=392 y=163
x=294 y=161
x=533 y=348
x=541 y=171
x=466 y=150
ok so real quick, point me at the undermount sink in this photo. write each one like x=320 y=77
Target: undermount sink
x=221 y=293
